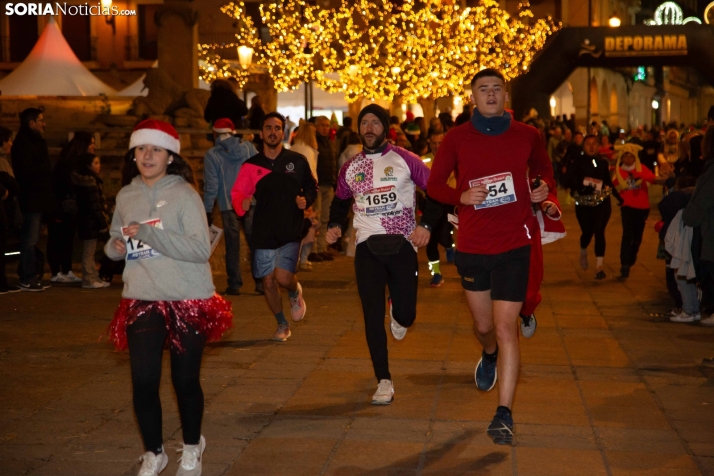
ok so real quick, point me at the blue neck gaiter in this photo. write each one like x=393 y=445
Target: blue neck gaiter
x=491 y=126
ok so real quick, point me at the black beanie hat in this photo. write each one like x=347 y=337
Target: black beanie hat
x=378 y=111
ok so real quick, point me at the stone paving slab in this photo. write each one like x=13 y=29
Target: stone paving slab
x=607 y=385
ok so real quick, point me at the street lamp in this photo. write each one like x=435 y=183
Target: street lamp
x=245 y=56
x=614 y=21
x=655 y=104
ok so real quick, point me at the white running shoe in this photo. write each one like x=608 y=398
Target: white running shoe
x=384 y=394
x=528 y=325
x=398 y=331
x=684 y=317
x=709 y=321
x=73 y=278
x=191 y=460
x=298 y=308
x=152 y=464
x=61 y=278
x=95 y=285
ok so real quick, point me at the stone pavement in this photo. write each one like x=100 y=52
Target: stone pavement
x=606 y=386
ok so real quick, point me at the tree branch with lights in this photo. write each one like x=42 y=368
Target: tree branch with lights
x=376 y=50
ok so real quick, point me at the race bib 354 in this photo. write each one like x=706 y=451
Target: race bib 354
x=501 y=190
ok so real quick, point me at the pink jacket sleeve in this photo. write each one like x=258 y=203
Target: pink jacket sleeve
x=244 y=187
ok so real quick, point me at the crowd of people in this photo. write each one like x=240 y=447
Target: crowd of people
x=600 y=163
x=377 y=193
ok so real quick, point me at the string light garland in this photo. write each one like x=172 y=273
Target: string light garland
x=373 y=49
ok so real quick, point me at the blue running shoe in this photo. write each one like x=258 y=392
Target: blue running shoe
x=501 y=428
x=485 y=374
x=450 y=254
x=436 y=280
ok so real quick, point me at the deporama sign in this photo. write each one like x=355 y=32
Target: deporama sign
x=646 y=45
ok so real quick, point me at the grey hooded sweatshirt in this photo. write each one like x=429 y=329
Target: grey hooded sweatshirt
x=177 y=268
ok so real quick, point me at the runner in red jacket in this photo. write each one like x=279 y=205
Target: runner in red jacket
x=492 y=157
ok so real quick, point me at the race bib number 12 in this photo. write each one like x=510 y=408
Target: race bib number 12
x=137 y=249
x=501 y=190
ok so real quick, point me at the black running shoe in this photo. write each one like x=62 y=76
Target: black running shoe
x=625 y=271
x=600 y=275
x=501 y=428
x=485 y=374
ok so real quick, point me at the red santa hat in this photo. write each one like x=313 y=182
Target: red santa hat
x=158 y=133
x=223 y=126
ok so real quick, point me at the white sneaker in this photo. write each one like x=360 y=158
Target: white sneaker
x=61 y=278
x=72 y=278
x=398 y=331
x=709 y=321
x=298 y=308
x=684 y=317
x=191 y=460
x=384 y=394
x=95 y=285
x=152 y=464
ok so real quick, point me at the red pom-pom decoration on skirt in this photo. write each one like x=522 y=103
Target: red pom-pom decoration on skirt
x=209 y=317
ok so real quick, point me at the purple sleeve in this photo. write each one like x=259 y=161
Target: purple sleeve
x=343 y=191
x=419 y=172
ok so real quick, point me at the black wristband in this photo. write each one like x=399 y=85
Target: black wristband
x=426 y=226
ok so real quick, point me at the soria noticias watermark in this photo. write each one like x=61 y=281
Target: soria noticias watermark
x=65 y=9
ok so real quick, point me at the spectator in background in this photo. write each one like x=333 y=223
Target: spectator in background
x=700 y=212
x=354 y=147
x=434 y=126
x=305 y=143
x=413 y=133
x=343 y=132
x=606 y=151
x=8 y=192
x=221 y=166
x=92 y=219
x=256 y=115
x=225 y=103
x=402 y=141
x=552 y=148
x=423 y=130
x=62 y=223
x=648 y=154
x=33 y=171
x=327 y=181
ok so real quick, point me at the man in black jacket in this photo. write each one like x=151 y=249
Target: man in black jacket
x=33 y=171
x=327 y=180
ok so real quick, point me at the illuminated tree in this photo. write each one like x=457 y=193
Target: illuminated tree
x=372 y=49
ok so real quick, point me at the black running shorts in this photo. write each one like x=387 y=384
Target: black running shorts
x=505 y=274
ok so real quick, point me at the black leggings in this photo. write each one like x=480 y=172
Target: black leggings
x=441 y=235
x=146 y=337
x=399 y=272
x=633 y=227
x=593 y=221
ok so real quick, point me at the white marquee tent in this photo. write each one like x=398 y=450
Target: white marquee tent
x=52 y=69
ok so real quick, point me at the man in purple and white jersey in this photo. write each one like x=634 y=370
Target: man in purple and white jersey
x=382 y=180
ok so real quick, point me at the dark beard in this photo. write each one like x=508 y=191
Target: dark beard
x=377 y=142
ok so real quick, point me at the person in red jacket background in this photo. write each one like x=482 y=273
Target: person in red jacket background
x=631 y=179
x=491 y=157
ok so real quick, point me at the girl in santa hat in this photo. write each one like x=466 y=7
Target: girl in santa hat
x=631 y=179
x=160 y=229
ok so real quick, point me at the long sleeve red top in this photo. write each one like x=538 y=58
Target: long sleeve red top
x=503 y=163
